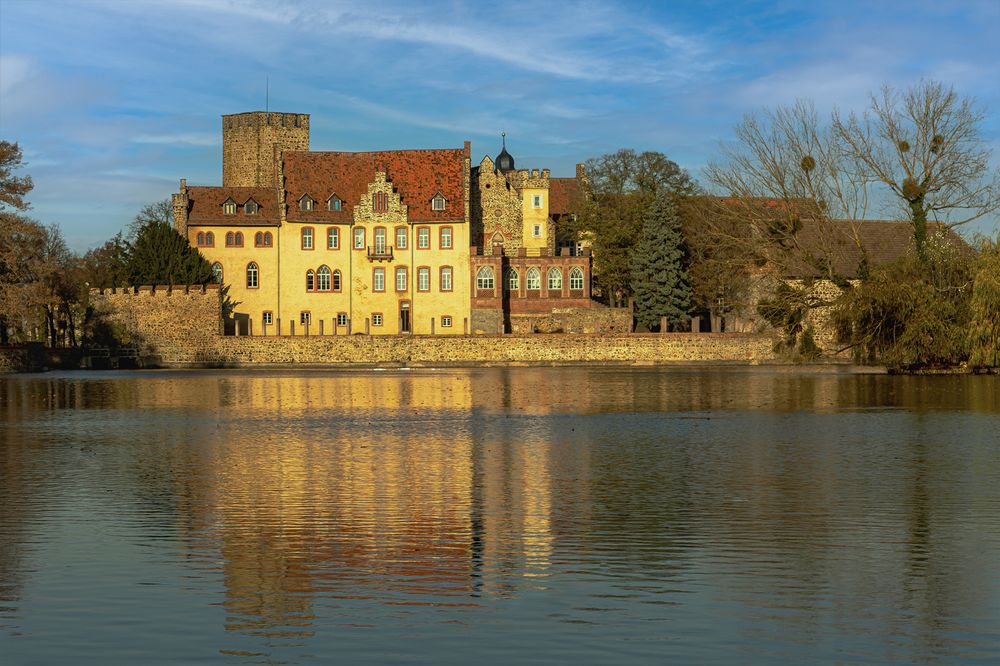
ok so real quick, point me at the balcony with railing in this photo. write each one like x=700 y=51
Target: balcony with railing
x=380 y=252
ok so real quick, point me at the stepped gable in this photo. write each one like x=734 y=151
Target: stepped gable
x=564 y=196
x=205 y=205
x=884 y=241
x=416 y=175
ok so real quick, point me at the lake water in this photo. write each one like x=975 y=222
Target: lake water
x=499 y=516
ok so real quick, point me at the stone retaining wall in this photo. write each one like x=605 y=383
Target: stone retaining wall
x=598 y=319
x=471 y=350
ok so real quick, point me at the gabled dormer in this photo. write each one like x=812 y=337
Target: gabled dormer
x=251 y=207
x=334 y=203
x=229 y=207
x=438 y=202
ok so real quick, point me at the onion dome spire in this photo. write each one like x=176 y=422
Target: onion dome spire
x=504 y=161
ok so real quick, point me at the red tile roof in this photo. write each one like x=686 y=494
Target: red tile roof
x=564 y=196
x=416 y=175
x=884 y=241
x=205 y=207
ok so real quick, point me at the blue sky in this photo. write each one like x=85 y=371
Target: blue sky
x=114 y=101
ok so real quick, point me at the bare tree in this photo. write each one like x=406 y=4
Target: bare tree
x=925 y=146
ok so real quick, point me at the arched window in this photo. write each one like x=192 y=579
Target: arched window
x=268 y=238
x=310 y=280
x=201 y=238
x=533 y=279
x=336 y=280
x=484 y=278
x=230 y=239
x=555 y=278
x=252 y=275
x=323 y=279
x=217 y=273
x=576 y=278
x=209 y=238
x=513 y=280
x=238 y=240
x=380 y=202
x=258 y=239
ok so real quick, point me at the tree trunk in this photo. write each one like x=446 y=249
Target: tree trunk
x=919 y=215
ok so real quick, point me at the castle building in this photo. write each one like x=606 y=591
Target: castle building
x=387 y=242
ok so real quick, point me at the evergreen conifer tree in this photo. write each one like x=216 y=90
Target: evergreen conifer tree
x=160 y=255
x=659 y=279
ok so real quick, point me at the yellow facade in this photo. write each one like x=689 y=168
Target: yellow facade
x=535 y=216
x=429 y=256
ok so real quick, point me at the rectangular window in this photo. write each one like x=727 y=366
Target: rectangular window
x=401 y=279
x=378 y=279
x=268 y=318
x=423 y=238
x=376 y=319
x=229 y=208
x=446 y=278
x=359 y=238
x=333 y=238
x=379 y=240
x=537 y=231
x=401 y=238
x=305 y=317
x=536 y=201
x=423 y=279
x=307 y=238
x=341 y=319
x=445 y=238
x=445 y=321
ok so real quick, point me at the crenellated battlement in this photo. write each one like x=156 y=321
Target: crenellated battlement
x=252 y=143
x=167 y=289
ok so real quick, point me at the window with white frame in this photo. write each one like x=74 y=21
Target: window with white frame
x=379 y=240
x=229 y=208
x=376 y=319
x=306 y=203
x=437 y=203
x=555 y=278
x=252 y=275
x=423 y=279
x=445 y=238
x=576 y=278
x=305 y=317
x=250 y=207
x=336 y=280
x=401 y=238
x=446 y=278
x=484 y=278
x=323 y=279
x=401 y=278
x=341 y=319
x=423 y=238
x=536 y=231
x=378 y=279
x=513 y=280
x=536 y=201
x=332 y=238
x=333 y=203
x=307 y=238
x=310 y=280
x=445 y=321
x=533 y=279
x=359 y=238
x=268 y=318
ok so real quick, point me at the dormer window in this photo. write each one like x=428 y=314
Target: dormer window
x=229 y=207
x=438 y=202
x=250 y=207
x=306 y=203
x=334 y=203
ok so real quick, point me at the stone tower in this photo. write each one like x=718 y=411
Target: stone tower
x=251 y=143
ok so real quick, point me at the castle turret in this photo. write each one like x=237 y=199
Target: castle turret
x=252 y=142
